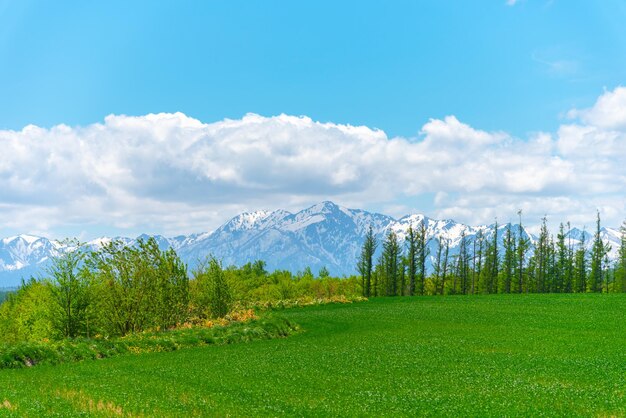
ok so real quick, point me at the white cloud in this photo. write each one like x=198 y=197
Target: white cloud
x=173 y=174
x=609 y=111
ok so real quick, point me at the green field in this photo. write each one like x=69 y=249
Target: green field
x=519 y=355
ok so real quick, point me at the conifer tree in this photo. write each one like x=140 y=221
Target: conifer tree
x=422 y=254
x=569 y=269
x=508 y=262
x=598 y=252
x=437 y=266
x=580 y=268
x=411 y=258
x=365 y=263
x=620 y=270
x=477 y=259
x=494 y=262
x=444 y=270
x=522 y=246
x=541 y=259
x=391 y=260
x=463 y=264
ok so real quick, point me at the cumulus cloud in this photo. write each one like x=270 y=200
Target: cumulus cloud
x=609 y=111
x=170 y=173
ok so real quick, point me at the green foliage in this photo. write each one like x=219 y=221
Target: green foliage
x=138 y=287
x=620 y=270
x=70 y=288
x=212 y=294
x=365 y=262
x=480 y=356
x=4 y=294
x=598 y=252
x=391 y=267
x=28 y=354
x=26 y=315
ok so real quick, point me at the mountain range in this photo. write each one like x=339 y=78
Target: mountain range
x=323 y=235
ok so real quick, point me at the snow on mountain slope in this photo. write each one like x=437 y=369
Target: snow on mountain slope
x=324 y=234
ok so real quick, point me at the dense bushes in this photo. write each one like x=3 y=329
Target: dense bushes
x=27 y=354
x=121 y=289
x=136 y=288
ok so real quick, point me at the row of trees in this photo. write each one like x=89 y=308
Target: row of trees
x=122 y=289
x=114 y=291
x=482 y=265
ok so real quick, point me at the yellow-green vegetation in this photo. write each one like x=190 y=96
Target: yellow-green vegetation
x=121 y=290
x=240 y=327
x=498 y=355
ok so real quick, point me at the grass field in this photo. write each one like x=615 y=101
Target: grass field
x=562 y=355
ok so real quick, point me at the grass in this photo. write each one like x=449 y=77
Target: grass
x=28 y=354
x=509 y=355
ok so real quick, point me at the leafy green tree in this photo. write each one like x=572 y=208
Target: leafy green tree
x=70 y=289
x=323 y=273
x=138 y=287
x=26 y=314
x=213 y=295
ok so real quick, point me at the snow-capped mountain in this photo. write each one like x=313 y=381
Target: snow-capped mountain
x=325 y=234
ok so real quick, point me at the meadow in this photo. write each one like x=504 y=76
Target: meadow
x=493 y=355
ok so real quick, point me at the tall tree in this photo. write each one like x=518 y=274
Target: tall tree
x=508 y=262
x=523 y=244
x=391 y=260
x=477 y=259
x=422 y=253
x=215 y=295
x=569 y=269
x=620 y=270
x=562 y=263
x=580 y=266
x=444 y=270
x=365 y=263
x=598 y=251
x=541 y=259
x=411 y=258
x=463 y=264
x=70 y=291
x=437 y=265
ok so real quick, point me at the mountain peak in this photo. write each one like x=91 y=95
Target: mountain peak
x=324 y=207
x=323 y=235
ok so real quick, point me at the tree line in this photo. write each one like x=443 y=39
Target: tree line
x=120 y=289
x=482 y=266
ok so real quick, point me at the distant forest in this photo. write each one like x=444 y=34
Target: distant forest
x=551 y=265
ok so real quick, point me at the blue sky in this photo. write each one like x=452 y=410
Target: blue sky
x=389 y=65
x=525 y=78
